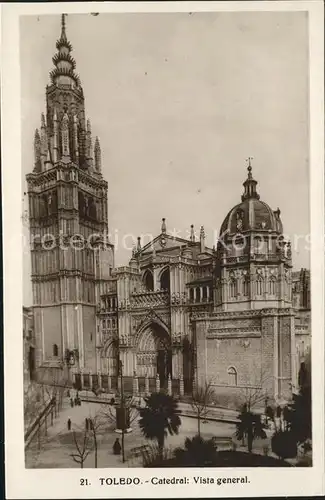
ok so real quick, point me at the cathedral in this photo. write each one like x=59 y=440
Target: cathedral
x=180 y=314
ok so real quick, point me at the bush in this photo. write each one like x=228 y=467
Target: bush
x=284 y=444
x=151 y=456
x=196 y=452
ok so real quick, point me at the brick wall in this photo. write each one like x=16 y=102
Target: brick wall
x=269 y=354
x=285 y=356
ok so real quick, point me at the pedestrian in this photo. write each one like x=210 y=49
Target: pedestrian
x=69 y=424
x=71 y=402
x=117 y=447
x=87 y=424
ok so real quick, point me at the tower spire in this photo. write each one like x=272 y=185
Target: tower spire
x=98 y=156
x=250 y=183
x=64 y=73
x=63 y=32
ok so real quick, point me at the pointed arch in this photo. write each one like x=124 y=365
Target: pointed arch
x=259 y=285
x=153 y=351
x=272 y=285
x=148 y=280
x=164 y=279
x=232 y=287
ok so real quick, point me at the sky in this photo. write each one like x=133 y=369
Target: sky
x=179 y=101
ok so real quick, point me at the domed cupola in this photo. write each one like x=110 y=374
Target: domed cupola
x=251 y=214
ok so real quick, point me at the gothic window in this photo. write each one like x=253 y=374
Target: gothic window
x=43 y=206
x=55 y=350
x=91 y=208
x=205 y=295
x=259 y=286
x=197 y=295
x=272 y=285
x=148 y=280
x=191 y=294
x=165 y=280
x=232 y=375
x=232 y=288
x=246 y=286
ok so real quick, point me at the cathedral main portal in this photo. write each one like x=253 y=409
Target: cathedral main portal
x=154 y=355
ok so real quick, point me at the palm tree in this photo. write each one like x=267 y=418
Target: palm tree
x=249 y=425
x=158 y=418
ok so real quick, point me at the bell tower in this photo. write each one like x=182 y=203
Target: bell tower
x=71 y=255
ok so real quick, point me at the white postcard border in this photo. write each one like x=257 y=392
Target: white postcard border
x=65 y=483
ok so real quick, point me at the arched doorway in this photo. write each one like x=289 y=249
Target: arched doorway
x=154 y=354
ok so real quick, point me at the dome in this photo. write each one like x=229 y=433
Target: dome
x=251 y=213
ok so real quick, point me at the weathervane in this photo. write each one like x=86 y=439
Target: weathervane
x=249 y=161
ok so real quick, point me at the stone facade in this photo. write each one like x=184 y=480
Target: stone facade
x=180 y=313
x=28 y=345
x=71 y=257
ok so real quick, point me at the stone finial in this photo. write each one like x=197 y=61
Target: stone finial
x=98 y=156
x=192 y=234
x=139 y=243
x=43 y=124
x=202 y=238
x=163 y=226
x=37 y=151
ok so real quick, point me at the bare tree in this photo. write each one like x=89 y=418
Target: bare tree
x=83 y=448
x=130 y=408
x=95 y=424
x=255 y=393
x=202 y=397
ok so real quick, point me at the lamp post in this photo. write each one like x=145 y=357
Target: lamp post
x=122 y=406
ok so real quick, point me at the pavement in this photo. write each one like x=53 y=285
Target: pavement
x=58 y=445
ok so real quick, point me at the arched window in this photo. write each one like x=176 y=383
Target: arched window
x=148 y=280
x=259 y=286
x=197 y=295
x=165 y=280
x=55 y=350
x=232 y=288
x=272 y=286
x=246 y=286
x=232 y=375
x=191 y=294
x=205 y=294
